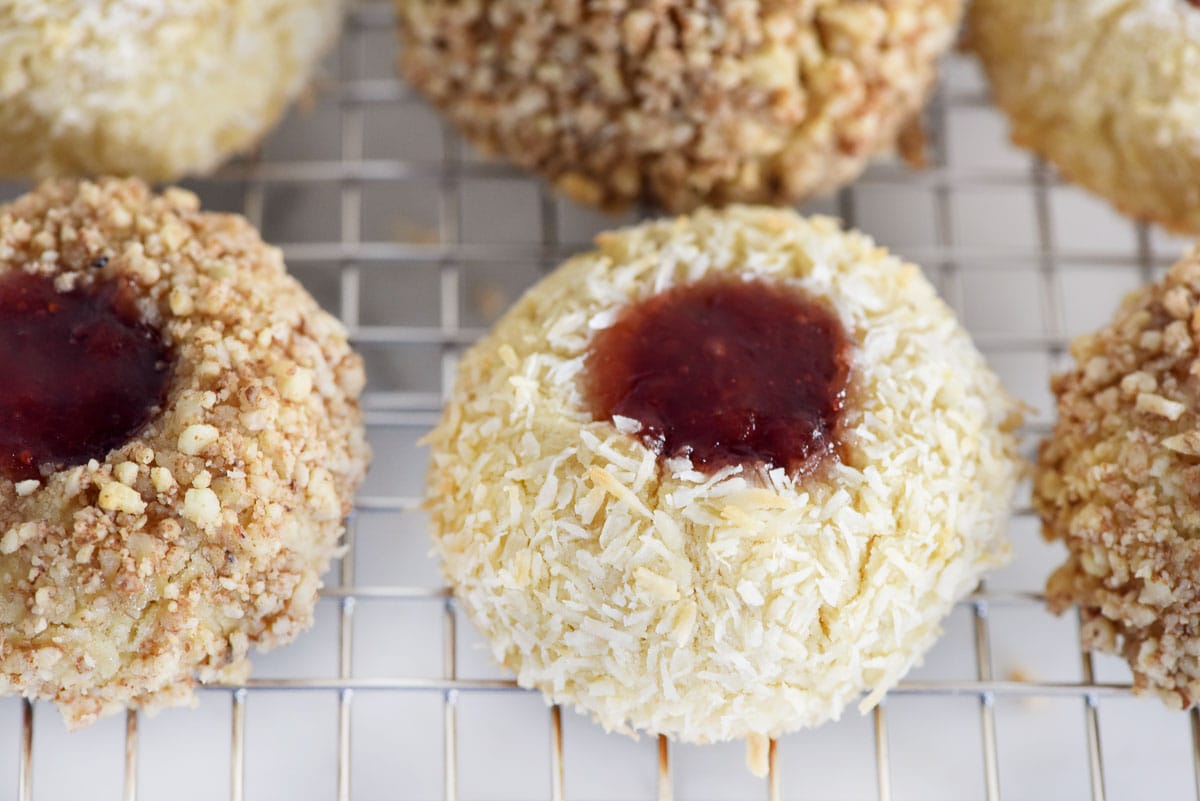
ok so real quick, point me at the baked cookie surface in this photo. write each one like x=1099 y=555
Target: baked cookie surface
x=1118 y=480
x=129 y=570
x=728 y=600
x=680 y=102
x=154 y=90
x=1107 y=92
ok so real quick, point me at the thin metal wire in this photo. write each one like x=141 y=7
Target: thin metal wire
x=237 y=746
x=965 y=256
x=131 y=755
x=557 y=788
x=666 y=787
x=1194 y=716
x=451 y=231
x=987 y=710
x=883 y=767
x=943 y=208
x=774 y=774
x=952 y=289
x=353 y=140
x=938 y=687
x=346 y=667
x=1053 y=322
x=1092 y=729
x=450 y=702
x=25 y=757
x=392 y=593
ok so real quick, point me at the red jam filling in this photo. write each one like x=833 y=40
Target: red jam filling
x=726 y=372
x=80 y=373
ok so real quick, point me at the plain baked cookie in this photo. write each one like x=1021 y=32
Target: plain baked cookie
x=1118 y=481
x=1109 y=92
x=725 y=600
x=681 y=102
x=152 y=89
x=180 y=439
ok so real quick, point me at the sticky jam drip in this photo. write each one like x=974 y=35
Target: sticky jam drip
x=726 y=371
x=80 y=373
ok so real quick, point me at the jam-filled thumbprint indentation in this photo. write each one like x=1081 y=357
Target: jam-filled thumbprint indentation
x=726 y=371
x=80 y=373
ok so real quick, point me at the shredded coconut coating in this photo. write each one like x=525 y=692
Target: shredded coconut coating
x=1109 y=92
x=122 y=580
x=152 y=89
x=1118 y=482
x=743 y=603
x=684 y=102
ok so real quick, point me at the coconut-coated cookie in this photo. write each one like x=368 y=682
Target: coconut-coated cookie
x=1108 y=92
x=682 y=102
x=1118 y=482
x=180 y=439
x=155 y=90
x=659 y=584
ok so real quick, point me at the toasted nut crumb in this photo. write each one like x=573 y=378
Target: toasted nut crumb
x=17 y=536
x=1187 y=443
x=323 y=495
x=117 y=497
x=126 y=472
x=1156 y=404
x=202 y=507
x=194 y=439
x=162 y=479
x=296 y=384
x=180 y=301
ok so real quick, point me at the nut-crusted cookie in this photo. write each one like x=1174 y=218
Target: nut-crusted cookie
x=679 y=101
x=180 y=504
x=1108 y=92
x=156 y=90
x=1118 y=482
x=619 y=561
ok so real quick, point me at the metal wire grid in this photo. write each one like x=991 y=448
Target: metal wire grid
x=352 y=172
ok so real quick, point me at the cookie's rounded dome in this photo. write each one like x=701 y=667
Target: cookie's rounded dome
x=721 y=599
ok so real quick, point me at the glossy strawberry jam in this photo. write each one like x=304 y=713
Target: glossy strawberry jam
x=726 y=371
x=80 y=373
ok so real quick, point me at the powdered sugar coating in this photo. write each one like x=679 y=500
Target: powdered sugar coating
x=1109 y=92
x=148 y=88
x=121 y=581
x=745 y=603
x=680 y=101
x=1117 y=482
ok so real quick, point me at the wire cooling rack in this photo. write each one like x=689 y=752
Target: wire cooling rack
x=419 y=245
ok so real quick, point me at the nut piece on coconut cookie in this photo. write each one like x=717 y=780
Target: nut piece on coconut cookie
x=169 y=497
x=1118 y=482
x=721 y=476
x=679 y=102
